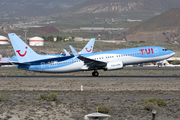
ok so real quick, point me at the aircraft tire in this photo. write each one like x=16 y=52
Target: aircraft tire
x=95 y=74
x=92 y=73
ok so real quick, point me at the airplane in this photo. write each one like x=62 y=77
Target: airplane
x=165 y=63
x=87 y=49
x=3 y=61
x=107 y=60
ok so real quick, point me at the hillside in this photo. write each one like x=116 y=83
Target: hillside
x=169 y=20
x=161 y=28
x=29 y=8
x=133 y=9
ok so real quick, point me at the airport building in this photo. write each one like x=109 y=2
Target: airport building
x=4 y=40
x=36 y=41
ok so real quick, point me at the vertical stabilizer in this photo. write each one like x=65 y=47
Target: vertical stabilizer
x=66 y=52
x=23 y=52
x=73 y=51
x=89 y=47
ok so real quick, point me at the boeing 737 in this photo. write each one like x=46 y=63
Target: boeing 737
x=107 y=60
x=3 y=61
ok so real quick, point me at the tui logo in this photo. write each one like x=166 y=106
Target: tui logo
x=148 y=51
x=22 y=55
x=88 y=50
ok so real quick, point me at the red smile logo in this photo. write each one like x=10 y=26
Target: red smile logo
x=22 y=55
x=88 y=50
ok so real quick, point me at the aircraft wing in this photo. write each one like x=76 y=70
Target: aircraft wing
x=92 y=63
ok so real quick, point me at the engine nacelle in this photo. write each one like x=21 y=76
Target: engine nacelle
x=114 y=66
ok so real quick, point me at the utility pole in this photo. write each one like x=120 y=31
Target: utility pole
x=154 y=36
x=25 y=31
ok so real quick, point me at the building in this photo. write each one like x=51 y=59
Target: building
x=36 y=41
x=78 y=39
x=92 y=28
x=129 y=20
x=4 y=40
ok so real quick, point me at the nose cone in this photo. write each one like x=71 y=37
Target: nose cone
x=172 y=53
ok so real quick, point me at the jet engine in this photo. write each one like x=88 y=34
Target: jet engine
x=114 y=65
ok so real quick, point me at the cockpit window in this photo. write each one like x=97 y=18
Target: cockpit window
x=164 y=49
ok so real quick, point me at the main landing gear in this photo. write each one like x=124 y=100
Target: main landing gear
x=95 y=73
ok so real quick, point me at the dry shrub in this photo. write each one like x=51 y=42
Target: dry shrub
x=42 y=97
x=52 y=96
x=4 y=97
x=103 y=109
x=160 y=102
x=149 y=106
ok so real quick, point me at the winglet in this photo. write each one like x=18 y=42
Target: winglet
x=67 y=54
x=73 y=51
x=89 y=47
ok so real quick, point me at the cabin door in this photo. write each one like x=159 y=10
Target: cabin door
x=156 y=52
x=42 y=65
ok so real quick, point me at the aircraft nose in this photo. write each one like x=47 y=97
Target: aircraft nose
x=172 y=53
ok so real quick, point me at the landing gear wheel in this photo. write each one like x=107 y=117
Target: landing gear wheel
x=95 y=74
x=159 y=66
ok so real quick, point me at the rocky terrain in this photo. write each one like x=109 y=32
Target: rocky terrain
x=95 y=6
x=111 y=6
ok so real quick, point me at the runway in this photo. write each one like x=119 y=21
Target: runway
x=125 y=68
x=99 y=77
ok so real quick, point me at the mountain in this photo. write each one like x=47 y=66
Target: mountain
x=161 y=28
x=29 y=8
x=92 y=10
x=169 y=20
x=97 y=6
